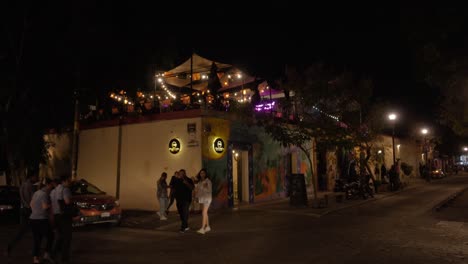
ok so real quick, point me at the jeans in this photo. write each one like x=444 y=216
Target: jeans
x=183 y=209
x=63 y=235
x=41 y=228
x=171 y=201
x=163 y=201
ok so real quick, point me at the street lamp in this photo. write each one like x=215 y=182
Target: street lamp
x=392 y=117
x=424 y=131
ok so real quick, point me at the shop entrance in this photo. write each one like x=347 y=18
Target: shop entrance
x=240 y=175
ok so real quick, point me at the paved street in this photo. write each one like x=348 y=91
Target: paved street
x=400 y=228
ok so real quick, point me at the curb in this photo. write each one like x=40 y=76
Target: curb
x=448 y=200
x=368 y=201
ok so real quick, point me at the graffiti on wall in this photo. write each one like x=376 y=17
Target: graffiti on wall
x=332 y=167
x=270 y=166
x=270 y=161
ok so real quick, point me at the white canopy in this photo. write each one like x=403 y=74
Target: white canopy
x=228 y=75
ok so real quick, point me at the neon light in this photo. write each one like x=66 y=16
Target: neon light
x=264 y=107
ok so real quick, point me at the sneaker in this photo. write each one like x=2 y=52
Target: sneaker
x=182 y=231
x=201 y=231
x=158 y=213
x=187 y=229
x=163 y=218
x=207 y=229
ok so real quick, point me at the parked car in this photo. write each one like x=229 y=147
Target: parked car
x=437 y=174
x=95 y=206
x=9 y=203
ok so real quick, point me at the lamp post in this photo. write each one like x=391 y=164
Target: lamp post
x=465 y=149
x=424 y=131
x=392 y=117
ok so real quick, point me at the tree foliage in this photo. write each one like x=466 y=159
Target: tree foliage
x=441 y=61
x=324 y=107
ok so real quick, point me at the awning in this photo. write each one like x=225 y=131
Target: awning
x=228 y=75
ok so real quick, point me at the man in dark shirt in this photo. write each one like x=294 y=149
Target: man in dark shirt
x=183 y=187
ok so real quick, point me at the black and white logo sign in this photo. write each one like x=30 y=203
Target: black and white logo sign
x=219 y=145
x=174 y=146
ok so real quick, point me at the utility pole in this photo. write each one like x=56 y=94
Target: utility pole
x=393 y=143
x=119 y=159
x=191 y=72
x=76 y=124
x=76 y=127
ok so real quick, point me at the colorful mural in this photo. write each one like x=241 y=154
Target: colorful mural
x=270 y=162
x=304 y=168
x=332 y=169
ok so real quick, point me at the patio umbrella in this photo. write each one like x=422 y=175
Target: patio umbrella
x=214 y=85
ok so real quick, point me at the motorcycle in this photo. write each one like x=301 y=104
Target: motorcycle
x=358 y=188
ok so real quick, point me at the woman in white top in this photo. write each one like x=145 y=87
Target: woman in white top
x=204 y=195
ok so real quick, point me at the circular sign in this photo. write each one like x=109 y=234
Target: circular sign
x=174 y=146
x=219 y=145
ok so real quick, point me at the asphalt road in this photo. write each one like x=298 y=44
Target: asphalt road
x=401 y=228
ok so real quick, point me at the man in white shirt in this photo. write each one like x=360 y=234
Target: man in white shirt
x=61 y=196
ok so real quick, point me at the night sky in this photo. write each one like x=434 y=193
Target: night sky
x=107 y=46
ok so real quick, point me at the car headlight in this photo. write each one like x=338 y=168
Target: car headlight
x=83 y=205
x=117 y=203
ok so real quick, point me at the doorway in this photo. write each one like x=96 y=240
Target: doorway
x=240 y=175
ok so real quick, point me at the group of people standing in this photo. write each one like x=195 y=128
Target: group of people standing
x=183 y=189
x=42 y=211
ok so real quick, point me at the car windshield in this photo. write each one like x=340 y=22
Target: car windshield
x=83 y=187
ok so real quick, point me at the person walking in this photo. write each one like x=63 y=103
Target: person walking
x=183 y=187
x=161 y=193
x=383 y=173
x=63 y=218
x=204 y=195
x=27 y=190
x=172 y=190
x=40 y=205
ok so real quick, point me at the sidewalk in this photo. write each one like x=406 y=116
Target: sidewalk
x=150 y=220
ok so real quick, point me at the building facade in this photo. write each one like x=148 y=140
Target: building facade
x=126 y=158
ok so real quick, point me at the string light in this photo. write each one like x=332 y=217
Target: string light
x=326 y=114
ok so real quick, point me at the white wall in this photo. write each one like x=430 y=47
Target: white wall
x=97 y=157
x=144 y=156
x=408 y=152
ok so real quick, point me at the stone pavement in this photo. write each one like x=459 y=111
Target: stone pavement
x=149 y=220
x=392 y=228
